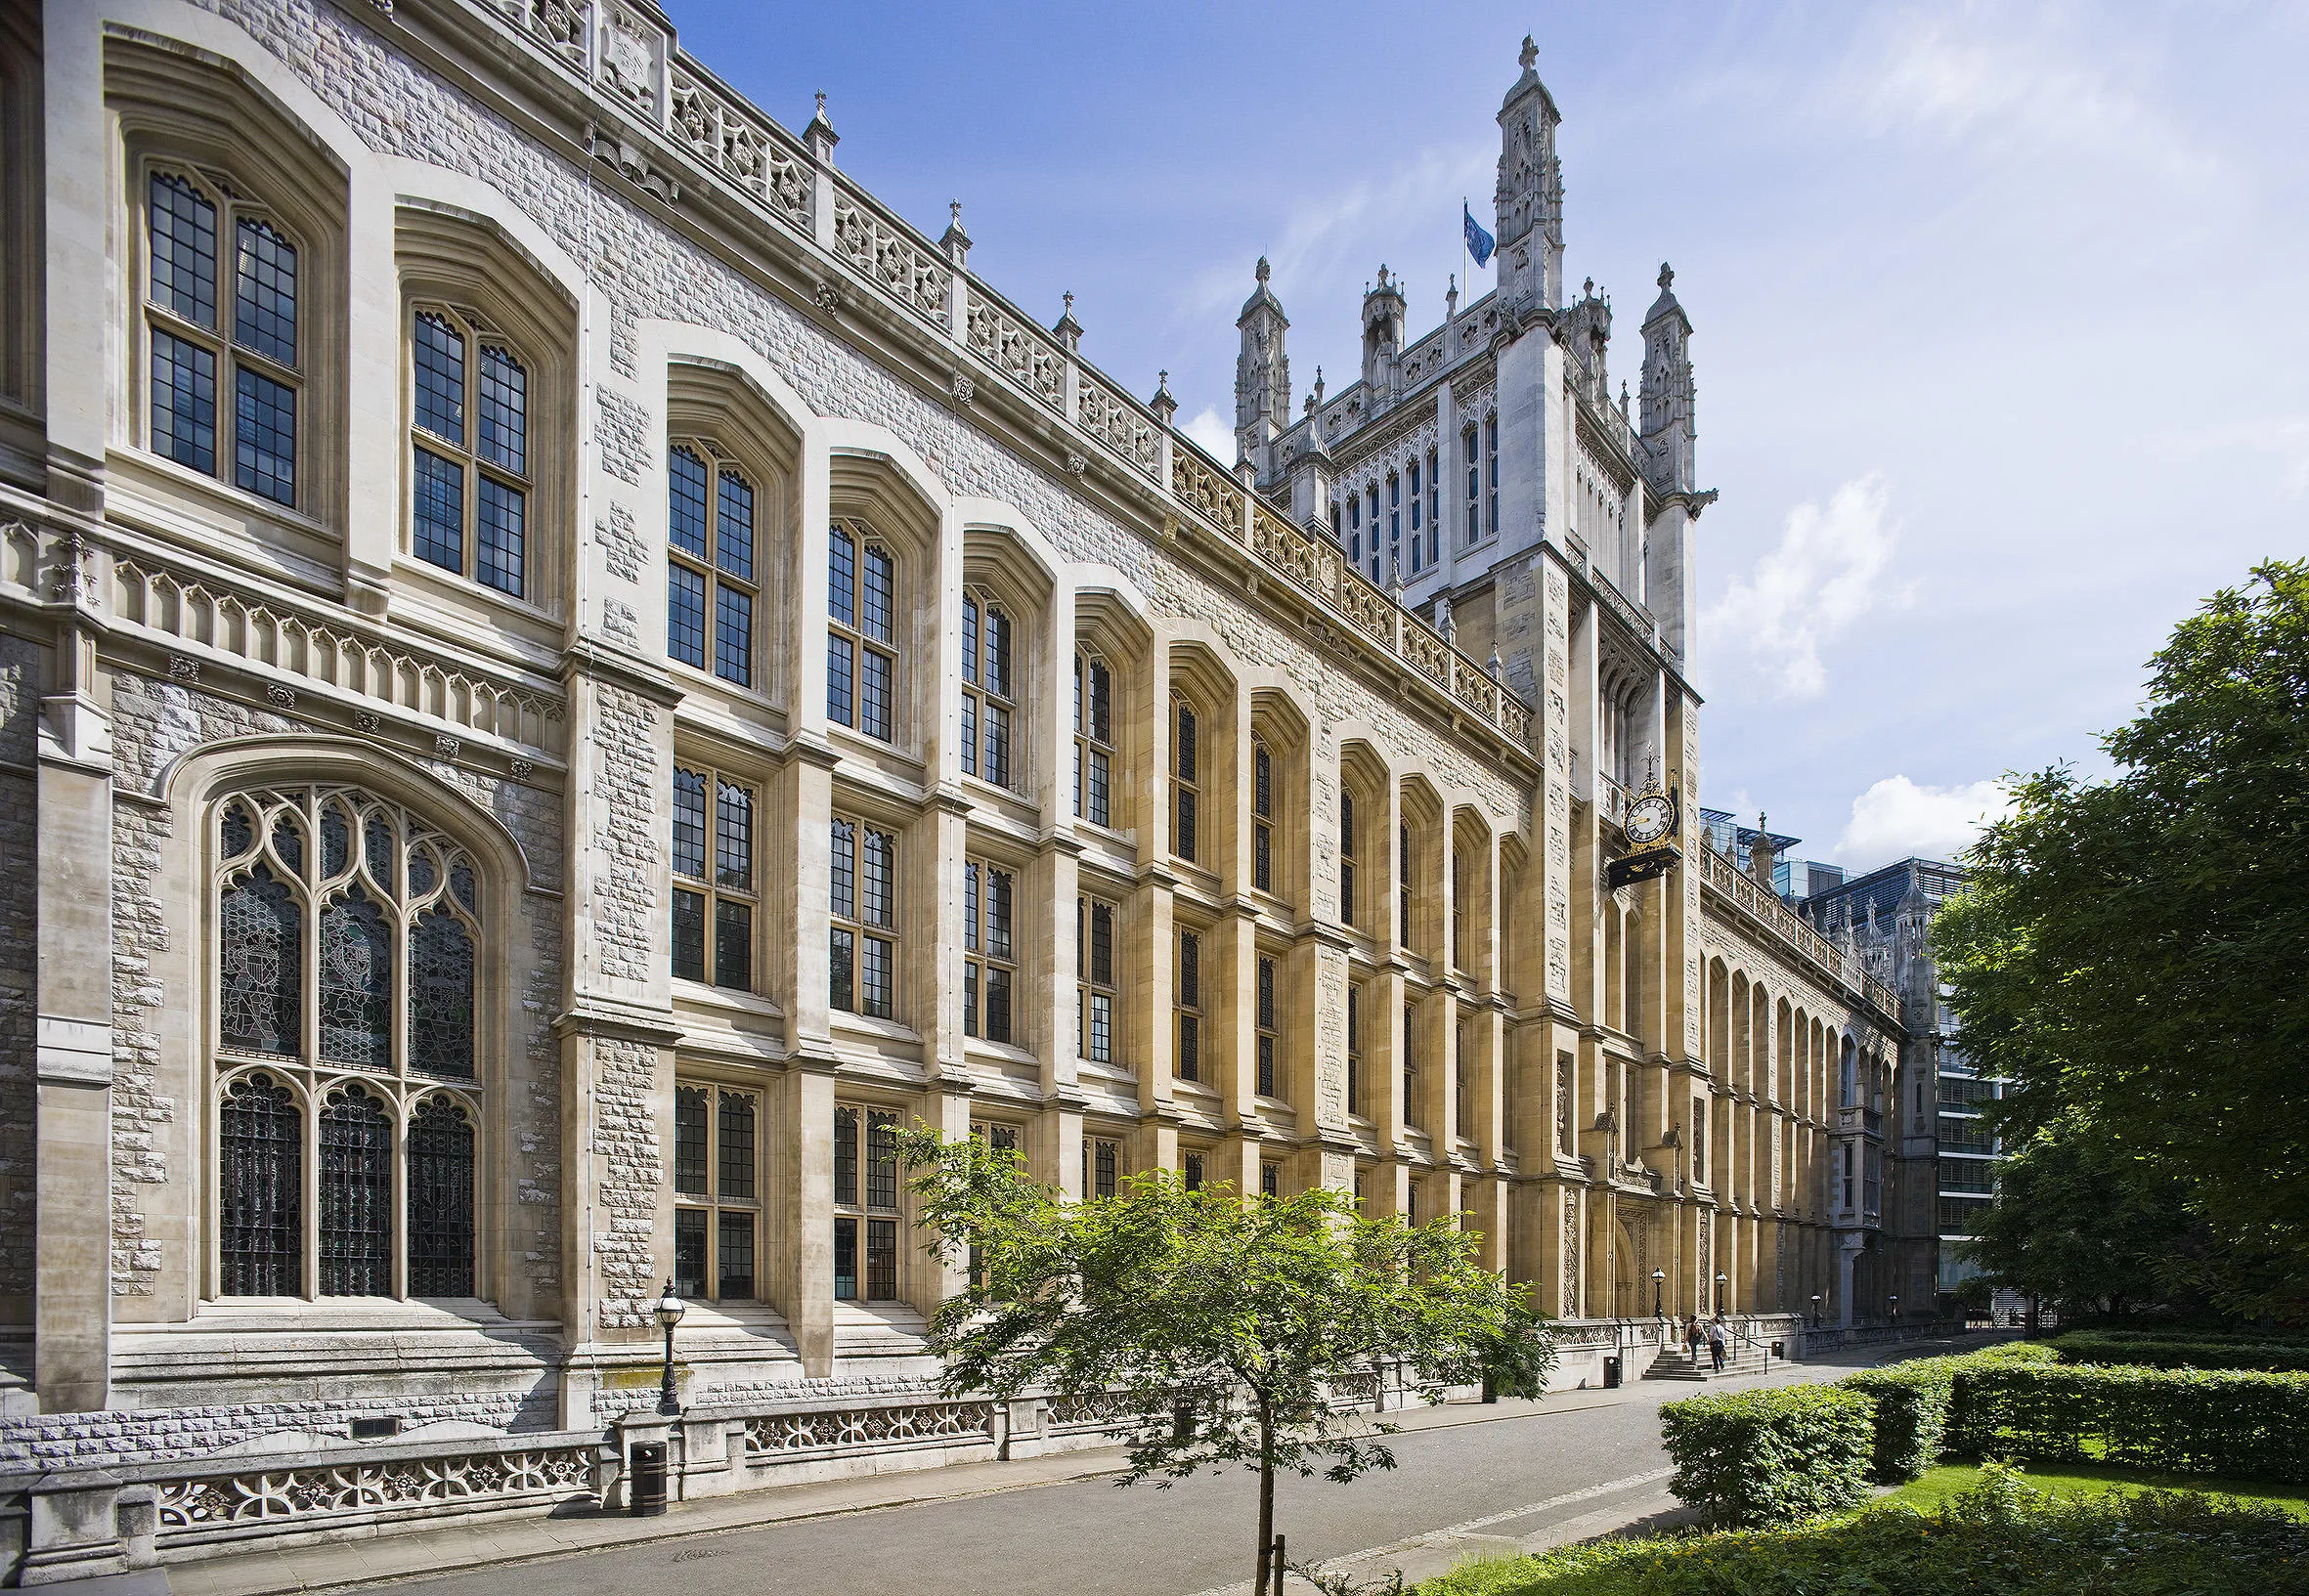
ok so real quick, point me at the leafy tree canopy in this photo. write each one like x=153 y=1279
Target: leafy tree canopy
x=2136 y=950
x=1243 y=1313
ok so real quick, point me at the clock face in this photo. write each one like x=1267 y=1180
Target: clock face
x=1650 y=819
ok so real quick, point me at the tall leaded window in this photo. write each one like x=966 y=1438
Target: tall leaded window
x=866 y=1214
x=1102 y=1166
x=1355 y=1047
x=1491 y=457
x=715 y=892
x=210 y=334
x=1262 y=811
x=1372 y=497
x=1458 y=911
x=1186 y=790
x=1346 y=857
x=1411 y=1065
x=1434 y=507
x=1094 y=970
x=864 y=945
x=471 y=477
x=989 y=714
x=989 y=952
x=717 y=1190
x=1471 y=449
x=1462 y=1089
x=1403 y=880
x=862 y=619
x=1269 y=1019
x=1094 y=738
x=709 y=581
x=345 y=965
x=1394 y=524
x=1189 y=1063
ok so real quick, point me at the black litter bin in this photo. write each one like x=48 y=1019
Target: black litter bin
x=1611 y=1372
x=646 y=1478
x=1779 y=1349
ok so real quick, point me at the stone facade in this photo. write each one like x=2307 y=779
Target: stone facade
x=626 y=871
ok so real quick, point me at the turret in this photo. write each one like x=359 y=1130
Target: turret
x=1667 y=393
x=1262 y=377
x=1530 y=193
x=1382 y=336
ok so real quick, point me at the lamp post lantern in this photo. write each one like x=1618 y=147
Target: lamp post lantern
x=1720 y=1278
x=1659 y=1277
x=670 y=1309
x=1815 y=1310
x=1895 y=1301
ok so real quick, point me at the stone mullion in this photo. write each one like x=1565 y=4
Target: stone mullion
x=1048 y=889
x=1148 y=994
x=932 y=933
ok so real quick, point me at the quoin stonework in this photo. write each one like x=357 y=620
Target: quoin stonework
x=564 y=672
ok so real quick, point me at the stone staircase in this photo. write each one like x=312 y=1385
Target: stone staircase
x=1675 y=1364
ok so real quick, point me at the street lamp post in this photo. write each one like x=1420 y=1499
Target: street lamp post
x=1815 y=1310
x=670 y=1309
x=1659 y=1277
x=1720 y=1278
x=1896 y=1300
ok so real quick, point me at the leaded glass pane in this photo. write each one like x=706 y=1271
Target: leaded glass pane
x=437 y=512
x=441 y=995
x=184 y=249
x=239 y=837
x=998 y=894
x=685 y=616
x=846 y=1260
x=376 y=842
x=838 y=681
x=288 y=842
x=874 y=978
x=997 y=1005
x=880 y=596
x=690 y=824
x=692 y=1108
x=356 y=1196
x=264 y=299
x=734 y=636
x=260 y=968
x=356 y=981
x=998 y=652
x=733 y=838
x=882 y=1159
x=260 y=1189
x=441 y=1202
x=461 y=883
x=689 y=935
x=970 y=639
x=734 y=526
x=882 y=1260
x=874 y=694
x=500 y=522
x=842 y=954
x=733 y=946
x=504 y=412
x=844 y=879
x=689 y=1252
x=438 y=355
x=184 y=403
x=421 y=875
x=846 y=1156
x=737 y=1147
x=734 y=1253
x=878 y=880
x=842 y=576
x=336 y=843
x=1185 y=750
x=685 y=503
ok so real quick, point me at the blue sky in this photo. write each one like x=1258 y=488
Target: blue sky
x=2001 y=354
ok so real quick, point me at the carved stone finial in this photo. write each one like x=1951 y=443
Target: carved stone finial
x=1319 y=385
x=1587 y=289
x=1666 y=275
x=1263 y=269
x=821 y=105
x=1529 y=57
x=954 y=209
x=1070 y=296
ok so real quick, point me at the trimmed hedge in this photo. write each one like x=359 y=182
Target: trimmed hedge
x=2251 y=1426
x=2192 y=1353
x=1753 y=1459
x=1912 y=1399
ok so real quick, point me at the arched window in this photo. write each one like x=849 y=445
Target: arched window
x=710 y=583
x=469 y=437
x=347 y=938
x=1262 y=809
x=1434 y=507
x=1491 y=455
x=1473 y=451
x=988 y=713
x=211 y=334
x=1094 y=738
x=1346 y=857
x=861 y=607
x=1186 y=784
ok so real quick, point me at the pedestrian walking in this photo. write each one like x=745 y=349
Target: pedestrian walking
x=1693 y=1336
x=1716 y=1345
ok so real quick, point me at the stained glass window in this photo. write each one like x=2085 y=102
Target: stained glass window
x=260 y=1139
x=356 y=1196
x=356 y=981
x=441 y=995
x=260 y=935
x=440 y=1200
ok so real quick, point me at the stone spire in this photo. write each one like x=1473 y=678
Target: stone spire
x=1384 y=311
x=1530 y=193
x=1667 y=393
x=1262 y=375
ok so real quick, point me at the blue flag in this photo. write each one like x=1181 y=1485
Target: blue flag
x=1479 y=242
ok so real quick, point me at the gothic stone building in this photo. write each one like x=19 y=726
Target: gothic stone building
x=563 y=671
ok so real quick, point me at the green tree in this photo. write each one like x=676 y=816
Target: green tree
x=2136 y=950
x=1219 y=1324
x=2077 y=1222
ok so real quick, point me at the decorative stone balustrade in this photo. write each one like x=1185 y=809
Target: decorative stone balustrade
x=638 y=67
x=1766 y=910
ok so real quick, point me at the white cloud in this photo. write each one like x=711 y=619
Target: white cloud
x=1825 y=575
x=1896 y=818
x=1214 y=432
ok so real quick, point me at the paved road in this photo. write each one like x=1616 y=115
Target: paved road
x=1088 y=1537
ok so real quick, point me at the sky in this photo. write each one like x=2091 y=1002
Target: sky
x=2002 y=358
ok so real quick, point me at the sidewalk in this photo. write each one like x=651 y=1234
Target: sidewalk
x=381 y=1559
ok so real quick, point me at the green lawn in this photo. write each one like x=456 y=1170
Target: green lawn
x=2085 y=1479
